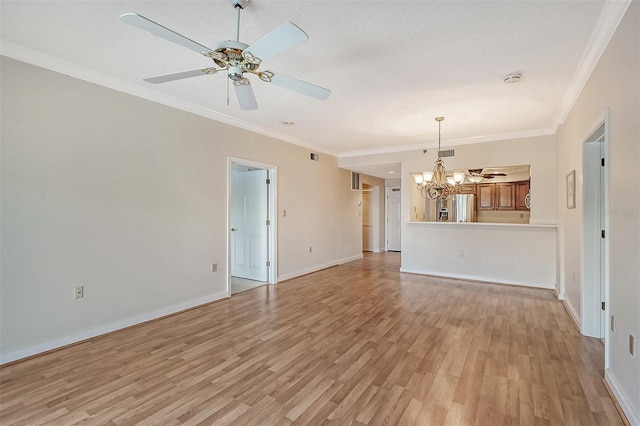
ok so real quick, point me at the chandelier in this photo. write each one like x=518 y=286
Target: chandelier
x=436 y=185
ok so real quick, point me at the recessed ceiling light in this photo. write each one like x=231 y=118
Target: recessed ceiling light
x=512 y=77
x=287 y=123
x=391 y=172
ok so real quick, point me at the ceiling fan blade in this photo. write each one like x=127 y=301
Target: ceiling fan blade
x=300 y=86
x=163 y=32
x=245 y=95
x=180 y=75
x=283 y=37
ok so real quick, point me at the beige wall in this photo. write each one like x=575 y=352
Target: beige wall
x=129 y=199
x=613 y=85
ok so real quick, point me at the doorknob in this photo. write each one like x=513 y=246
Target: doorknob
x=233 y=229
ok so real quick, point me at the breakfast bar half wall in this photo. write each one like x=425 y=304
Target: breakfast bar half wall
x=518 y=254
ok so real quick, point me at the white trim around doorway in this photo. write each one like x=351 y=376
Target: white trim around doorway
x=272 y=213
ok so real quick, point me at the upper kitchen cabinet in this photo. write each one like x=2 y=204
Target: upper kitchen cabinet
x=522 y=190
x=496 y=196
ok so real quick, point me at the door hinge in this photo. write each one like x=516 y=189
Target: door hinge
x=602 y=233
x=268 y=263
x=603 y=306
x=268 y=222
x=602 y=162
x=268 y=181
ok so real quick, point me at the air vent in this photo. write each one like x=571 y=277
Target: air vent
x=446 y=153
x=314 y=157
x=355 y=181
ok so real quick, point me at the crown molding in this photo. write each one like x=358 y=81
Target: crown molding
x=452 y=142
x=42 y=60
x=612 y=13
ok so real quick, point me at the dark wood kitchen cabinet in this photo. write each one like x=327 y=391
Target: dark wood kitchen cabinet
x=505 y=196
x=496 y=196
x=522 y=189
x=468 y=188
x=485 y=196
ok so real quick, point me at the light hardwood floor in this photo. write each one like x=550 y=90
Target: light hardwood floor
x=239 y=285
x=359 y=343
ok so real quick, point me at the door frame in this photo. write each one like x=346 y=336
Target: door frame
x=375 y=219
x=389 y=190
x=594 y=215
x=272 y=209
x=368 y=206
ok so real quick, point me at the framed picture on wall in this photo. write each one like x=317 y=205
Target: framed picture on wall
x=571 y=190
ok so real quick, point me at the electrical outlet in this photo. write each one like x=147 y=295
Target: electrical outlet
x=632 y=345
x=78 y=292
x=214 y=267
x=461 y=253
x=613 y=323
x=284 y=213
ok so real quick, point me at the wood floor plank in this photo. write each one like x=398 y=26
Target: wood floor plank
x=359 y=344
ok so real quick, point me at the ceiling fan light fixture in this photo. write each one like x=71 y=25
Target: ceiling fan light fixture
x=235 y=73
x=475 y=178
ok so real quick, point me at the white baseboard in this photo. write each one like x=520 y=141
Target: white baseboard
x=319 y=267
x=491 y=280
x=623 y=401
x=104 y=329
x=572 y=313
x=559 y=296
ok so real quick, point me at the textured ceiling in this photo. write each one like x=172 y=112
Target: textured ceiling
x=392 y=66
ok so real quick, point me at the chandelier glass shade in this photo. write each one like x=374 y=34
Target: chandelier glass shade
x=436 y=184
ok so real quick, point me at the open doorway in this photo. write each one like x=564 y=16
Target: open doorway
x=251 y=243
x=372 y=226
x=594 y=292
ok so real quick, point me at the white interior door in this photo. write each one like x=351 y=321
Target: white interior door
x=249 y=231
x=393 y=219
x=593 y=313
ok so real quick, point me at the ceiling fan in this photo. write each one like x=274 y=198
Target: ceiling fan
x=479 y=173
x=237 y=58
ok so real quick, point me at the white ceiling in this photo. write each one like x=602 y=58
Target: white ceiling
x=392 y=65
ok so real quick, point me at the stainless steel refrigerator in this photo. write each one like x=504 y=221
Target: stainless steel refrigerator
x=464 y=208
x=460 y=208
